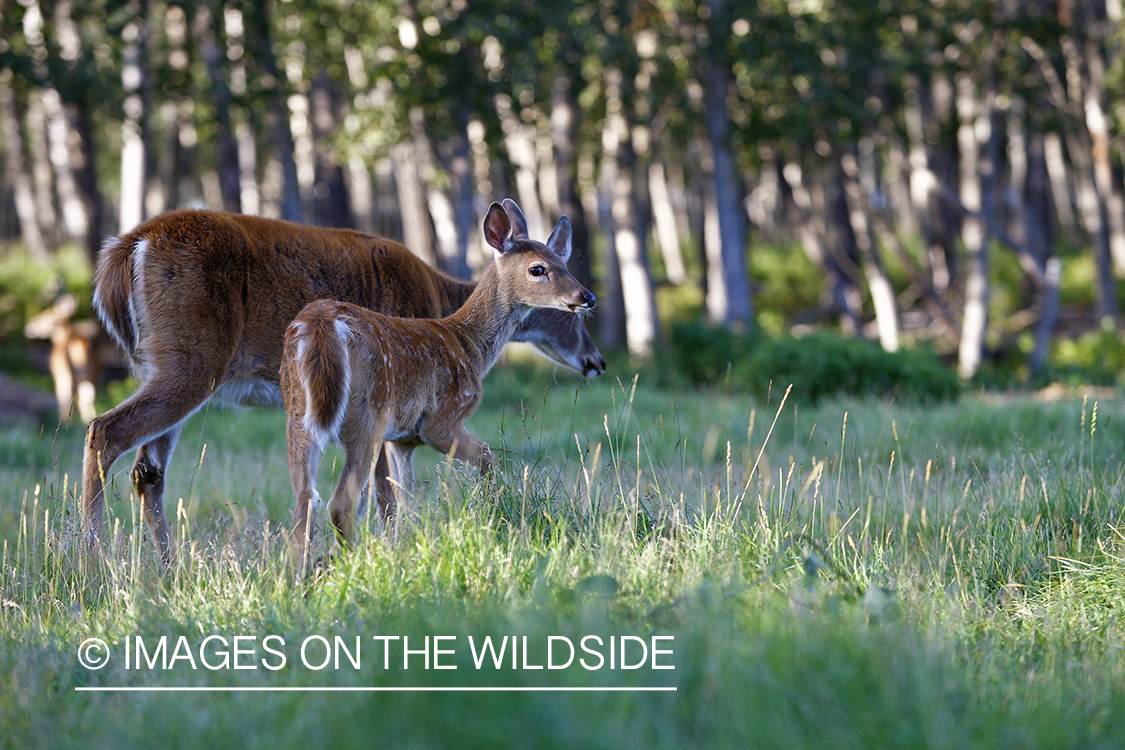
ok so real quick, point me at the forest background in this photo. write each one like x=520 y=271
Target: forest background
x=939 y=181
x=945 y=174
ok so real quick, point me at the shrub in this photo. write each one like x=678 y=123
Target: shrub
x=822 y=365
x=819 y=365
x=700 y=353
x=27 y=284
x=1096 y=357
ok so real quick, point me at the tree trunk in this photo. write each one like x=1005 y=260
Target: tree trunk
x=69 y=114
x=667 y=232
x=878 y=285
x=249 y=194
x=261 y=41
x=456 y=153
x=416 y=233
x=1048 y=315
x=361 y=195
x=629 y=246
x=974 y=319
x=728 y=298
x=133 y=73
x=1110 y=246
x=330 y=197
x=809 y=207
x=17 y=174
x=86 y=175
x=55 y=161
x=1088 y=147
x=565 y=117
x=174 y=165
x=979 y=178
x=843 y=252
x=450 y=242
x=42 y=175
x=207 y=29
x=1038 y=238
x=519 y=139
x=926 y=164
x=611 y=299
x=1061 y=179
x=479 y=253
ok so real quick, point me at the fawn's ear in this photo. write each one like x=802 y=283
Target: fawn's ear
x=498 y=228
x=515 y=215
x=560 y=240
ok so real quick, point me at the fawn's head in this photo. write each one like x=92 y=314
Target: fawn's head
x=531 y=272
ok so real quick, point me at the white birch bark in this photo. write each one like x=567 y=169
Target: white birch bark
x=131 y=209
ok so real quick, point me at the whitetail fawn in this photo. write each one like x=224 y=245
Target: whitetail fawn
x=73 y=362
x=365 y=378
x=198 y=301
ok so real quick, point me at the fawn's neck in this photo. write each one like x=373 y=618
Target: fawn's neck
x=487 y=320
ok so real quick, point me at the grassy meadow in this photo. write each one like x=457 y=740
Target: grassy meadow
x=850 y=574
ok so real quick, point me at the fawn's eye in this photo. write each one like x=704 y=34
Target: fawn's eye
x=537 y=270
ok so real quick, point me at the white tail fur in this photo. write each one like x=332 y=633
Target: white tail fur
x=322 y=360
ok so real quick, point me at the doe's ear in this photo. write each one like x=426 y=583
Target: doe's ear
x=498 y=228
x=560 y=240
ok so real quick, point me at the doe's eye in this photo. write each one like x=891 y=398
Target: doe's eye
x=537 y=270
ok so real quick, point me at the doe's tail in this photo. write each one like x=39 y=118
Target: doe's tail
x=117 y=279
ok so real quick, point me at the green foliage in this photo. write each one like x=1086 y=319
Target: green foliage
x=823 y=365
x=701 y=354
x=786 y=283
x=819 y=366
x=1096 y=357
x=28 y=285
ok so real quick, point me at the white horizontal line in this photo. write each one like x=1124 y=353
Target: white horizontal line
x=331 y=689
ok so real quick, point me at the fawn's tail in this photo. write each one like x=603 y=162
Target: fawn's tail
x=323 y=370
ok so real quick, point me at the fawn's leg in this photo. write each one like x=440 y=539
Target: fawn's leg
x=397 y=481
x=304 y=451
x=360 y=435
x=382 y=487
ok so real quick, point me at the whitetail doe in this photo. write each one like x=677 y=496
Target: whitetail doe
x=198 y=301
x=363 y=378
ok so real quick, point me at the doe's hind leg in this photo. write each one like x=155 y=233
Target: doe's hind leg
x=148 y=479
x=150 y=418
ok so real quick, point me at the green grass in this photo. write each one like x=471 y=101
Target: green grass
x=854 y=574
